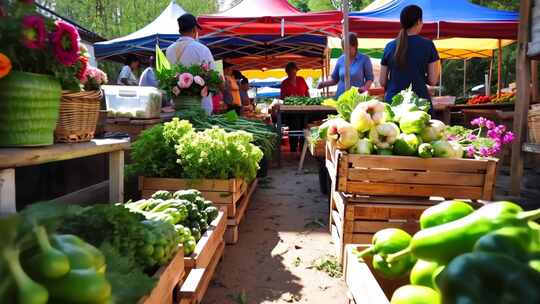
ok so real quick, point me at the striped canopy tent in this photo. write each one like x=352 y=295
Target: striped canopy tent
x=266 y=34
x=163 y=31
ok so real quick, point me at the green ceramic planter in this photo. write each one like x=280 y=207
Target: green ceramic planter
x=29 y=105
x=182 y=103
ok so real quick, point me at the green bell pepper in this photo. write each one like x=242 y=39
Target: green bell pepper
x=48 y=263
x=511 y=241
x=444 y=212
x=422 y=273
x=490 y=278
x=412 y=294
x=81 y=255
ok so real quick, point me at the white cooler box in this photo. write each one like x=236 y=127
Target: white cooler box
x=132 y=101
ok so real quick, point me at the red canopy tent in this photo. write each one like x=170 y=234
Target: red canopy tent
x=267 y=33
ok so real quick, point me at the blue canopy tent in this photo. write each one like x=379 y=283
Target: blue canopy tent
x=162 y=31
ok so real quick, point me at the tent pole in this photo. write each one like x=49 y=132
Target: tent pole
x=464 y=77
x=490 y=70
x=499 y=68
x=346 y=47
x=440 y=81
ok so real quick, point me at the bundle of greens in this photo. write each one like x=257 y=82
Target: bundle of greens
x=211 y=154
x=187 y=210
x=303 y=101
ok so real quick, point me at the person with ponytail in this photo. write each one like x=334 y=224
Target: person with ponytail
x=409 y=60
x=361 y=69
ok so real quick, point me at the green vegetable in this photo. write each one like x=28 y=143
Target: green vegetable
x=80 y=254
x=347 y=102
x=28 y=291
x=515 y=242
x=414 y=122
x=384 y=135
x=444 y=242
x=433 y=131
x=162 y=194
x=81 y=286
x=385 y=152
x=444 y=212
x=412 y=294
x=203 y=224
x=446 y=149
x=190 y=195
x=48 y=263
x=385 y=242
x=482 y=277
x=408 y=99
x=196 y=233
x=422 y=273
x=363 y=146
x=189 y=246
x=211 y=213
x=425 y=150
x=407 y=144
x=300 y=100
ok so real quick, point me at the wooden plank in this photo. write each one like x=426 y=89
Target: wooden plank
x=523 y=98
x=338 y=223
x=20 y=157
x=116 y=176
x=531 y=148
x=243 y=204
x=231 y=235
x=417 y=177
x=360 y=238
x=371 y=227
x=208 y=244
x=194 y=288
x=342 y=164
x=489 y=184
x=214 y=185
x=415 y=190
x=8 y=203
x=361 y=282
x=168 y=277
x=416 y=163
x=338 y=244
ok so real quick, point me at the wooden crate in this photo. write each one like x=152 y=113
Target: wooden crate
x=223 y=193
x=196 y=283
x=354 y=219
x=411 y=176
x=365 y=285
x=207 y=245
x=133 y=127
x=233 y=224
x=168 y=278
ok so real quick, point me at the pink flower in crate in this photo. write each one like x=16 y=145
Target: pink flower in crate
x=508 y=138
x=176 y=91
x=33 y=32
x=471 y=137
x=185 y=80
x=204 y=92
x=479 y=121
x=470 y=151
x=65 y=40
x=205 y=66
x=198 y=80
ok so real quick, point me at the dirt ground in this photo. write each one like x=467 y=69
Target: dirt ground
x=282 y=237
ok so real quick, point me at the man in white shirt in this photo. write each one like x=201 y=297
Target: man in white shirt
x=148 y=76
x=188 y=51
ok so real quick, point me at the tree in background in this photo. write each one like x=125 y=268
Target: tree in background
x=323 y=5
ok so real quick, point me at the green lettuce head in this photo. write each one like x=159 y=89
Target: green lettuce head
x=407 y=144
x=414 y=122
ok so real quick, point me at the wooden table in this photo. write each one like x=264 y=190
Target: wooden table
x=446 y=111
x=302 y=111
x=11 y=158
x=531 y=148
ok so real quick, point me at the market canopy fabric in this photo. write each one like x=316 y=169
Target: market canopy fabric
x=265 y=34
x=442 y=19
x=163 y=31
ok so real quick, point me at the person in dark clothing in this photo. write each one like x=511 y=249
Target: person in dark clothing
x=410 y=60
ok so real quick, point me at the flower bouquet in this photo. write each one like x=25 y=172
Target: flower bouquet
x=188 y=85
x=39 y=58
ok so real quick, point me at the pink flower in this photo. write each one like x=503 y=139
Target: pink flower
x=185 y=80
x=33 y=32
x=484 y=152
x=65 y=40
x=508 y=137
x=176 y=91
x=198 y=80
x=451 y=137
x=479 y=121
x=205 y=66
x=204 y=92
x=471 y=137
x=470 y=151
x=501 y=129
x=490 y=124
x=493 y=134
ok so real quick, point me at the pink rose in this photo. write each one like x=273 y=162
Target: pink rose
x=185 y=80
x=199 y=80
x=176 y=91
x=204 y=92
x=205 y=66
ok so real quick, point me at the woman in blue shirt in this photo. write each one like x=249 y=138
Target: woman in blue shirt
x=361 y=70
x=409 y=59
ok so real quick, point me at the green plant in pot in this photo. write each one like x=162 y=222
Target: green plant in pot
x=43 y=58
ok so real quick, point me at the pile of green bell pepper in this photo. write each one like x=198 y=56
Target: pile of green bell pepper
x=491 y=255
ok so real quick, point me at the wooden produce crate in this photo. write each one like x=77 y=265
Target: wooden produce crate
x=168 y=278
x=233 y=224
x=223 y=193
x=196 y=283
x=131 y=126
x=364 y=284
x=411 y=176
x=201 y=264
x=354 y=219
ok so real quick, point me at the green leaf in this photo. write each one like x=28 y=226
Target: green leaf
x=231 y=116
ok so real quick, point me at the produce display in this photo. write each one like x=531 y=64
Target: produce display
x=479 y=99
x=367 y=126
x=187 y=210
x=491 y=255
x=176 y=150
x=501 y=98
x=303 y=101
x=264 y=136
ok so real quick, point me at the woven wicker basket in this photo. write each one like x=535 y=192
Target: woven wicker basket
x=79 y=113
x=534 y=125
